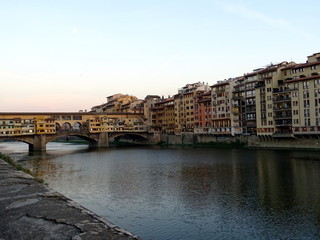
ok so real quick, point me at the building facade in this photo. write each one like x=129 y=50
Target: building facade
x=222 y=117
x=203 y=112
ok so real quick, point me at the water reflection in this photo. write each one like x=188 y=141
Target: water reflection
x=190 y=193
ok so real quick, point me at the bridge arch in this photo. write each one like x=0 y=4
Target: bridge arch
x=91 y=140
x=134 y=138
x=77 y=126
x=29 y=140
x=66 y=126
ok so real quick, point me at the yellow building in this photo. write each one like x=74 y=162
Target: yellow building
x=7 y=127
x=302 y=81
x=270 y=96
x=45 y=125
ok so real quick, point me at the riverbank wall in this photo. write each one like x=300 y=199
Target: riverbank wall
x=301 y=142
x=31 y=210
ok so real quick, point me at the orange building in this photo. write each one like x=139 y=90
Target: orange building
x=202 y=112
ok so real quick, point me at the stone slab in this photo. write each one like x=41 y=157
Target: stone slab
x=31 y=210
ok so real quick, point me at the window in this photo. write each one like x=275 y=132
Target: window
x=307 y=122
x=305 y=85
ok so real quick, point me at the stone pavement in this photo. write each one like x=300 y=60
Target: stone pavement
x=30 y=210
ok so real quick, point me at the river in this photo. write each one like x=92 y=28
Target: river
x=163 y=193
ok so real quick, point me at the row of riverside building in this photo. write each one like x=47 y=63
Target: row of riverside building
x=280 y=100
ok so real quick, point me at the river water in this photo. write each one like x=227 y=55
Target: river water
x=187 y=193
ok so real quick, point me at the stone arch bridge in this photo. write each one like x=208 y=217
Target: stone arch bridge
x=37 y=129
x=95 y=140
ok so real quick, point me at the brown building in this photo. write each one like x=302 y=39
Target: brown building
x=163 y=116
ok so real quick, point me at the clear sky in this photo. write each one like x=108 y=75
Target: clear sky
x=67 y=55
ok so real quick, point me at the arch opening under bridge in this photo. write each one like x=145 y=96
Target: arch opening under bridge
x=129 y=138
x=92 y=140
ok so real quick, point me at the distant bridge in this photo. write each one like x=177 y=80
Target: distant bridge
x=37 y=129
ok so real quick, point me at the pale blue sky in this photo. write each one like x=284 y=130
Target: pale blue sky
x=67 y=55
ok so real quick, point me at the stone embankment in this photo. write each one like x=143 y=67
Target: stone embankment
x=297 y=142
x=30 y=210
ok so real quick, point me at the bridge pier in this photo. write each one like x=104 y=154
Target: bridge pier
x=39 y=144
x=102 y=141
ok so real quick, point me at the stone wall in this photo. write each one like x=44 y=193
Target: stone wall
x=295 y=143
x=307 y=142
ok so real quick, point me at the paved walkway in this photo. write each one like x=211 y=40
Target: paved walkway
x=30 y=210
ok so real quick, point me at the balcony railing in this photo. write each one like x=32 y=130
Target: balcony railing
x=284 y=115
x=275 y=108
x=282 y=99
x=281 y=90
x=260 y=84
x=283 y=123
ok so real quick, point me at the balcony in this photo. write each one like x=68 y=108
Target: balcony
x=284 y=107
x=237 y=97
x=283 y=115
x=283 y=123
x=281 y=90
x=248 y=103
x=282 y=99
x=251 y=123
x=260 y=85
x=235 y=111
x=237 y=89
x=250 y=110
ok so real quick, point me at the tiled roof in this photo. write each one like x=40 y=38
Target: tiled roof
x=303 y=79
x=301 y=65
